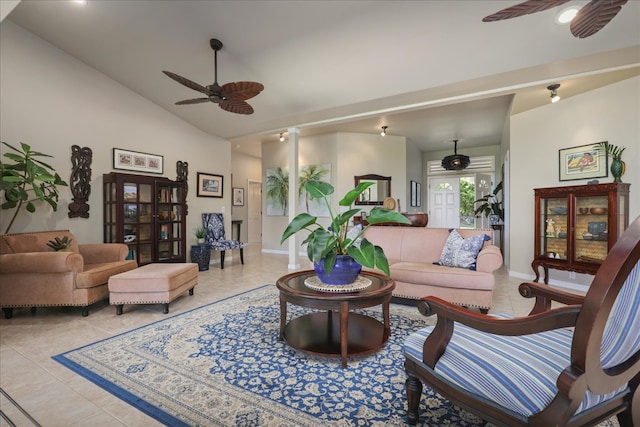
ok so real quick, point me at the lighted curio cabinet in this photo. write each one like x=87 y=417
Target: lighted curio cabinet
x=146 y=213
x=576 y=226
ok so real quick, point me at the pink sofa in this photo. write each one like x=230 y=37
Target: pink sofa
x=411 y=252
x=33 y=275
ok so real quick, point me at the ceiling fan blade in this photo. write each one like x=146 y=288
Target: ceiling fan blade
x=595 y=15
x=241 y=91
x=238 y=107
x=524 y=8
x=188 y=83
x=193 y=101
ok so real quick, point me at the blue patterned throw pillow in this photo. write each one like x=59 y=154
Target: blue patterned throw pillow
x=461 y=252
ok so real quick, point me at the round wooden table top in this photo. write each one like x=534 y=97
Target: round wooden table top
x=292 y=285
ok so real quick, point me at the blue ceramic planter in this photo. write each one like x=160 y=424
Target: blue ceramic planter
x=201 y=254
x=345 y=271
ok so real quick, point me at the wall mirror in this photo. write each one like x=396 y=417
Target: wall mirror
x=375 y=194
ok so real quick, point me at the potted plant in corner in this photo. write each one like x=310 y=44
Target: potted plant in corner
x=491 y=205
x=333 y=249
x=27 y=180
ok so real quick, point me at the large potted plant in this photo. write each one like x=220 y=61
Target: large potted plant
x=27 y=180
x=335 y=246
x=491 y=205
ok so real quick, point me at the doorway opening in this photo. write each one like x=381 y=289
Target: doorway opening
x=451 y=200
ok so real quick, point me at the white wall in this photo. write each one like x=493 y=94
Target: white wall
x=414 y=173
x=52 y=101
x=611 y=113
x=349 y=154
x=244 y=168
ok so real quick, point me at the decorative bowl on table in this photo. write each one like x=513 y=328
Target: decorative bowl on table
x=598 y=211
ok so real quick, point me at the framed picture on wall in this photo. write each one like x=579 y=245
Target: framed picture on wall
x=238 y=196
x=139 y=162
x=415 y=194
x=582 y=162
x=209 y=185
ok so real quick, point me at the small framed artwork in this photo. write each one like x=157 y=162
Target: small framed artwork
x=582 y=162
x=139 y=162
x=415 y=194
x=238 y=196
x=209 y=185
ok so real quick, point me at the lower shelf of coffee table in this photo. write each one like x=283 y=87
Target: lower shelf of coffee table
x=319 y=333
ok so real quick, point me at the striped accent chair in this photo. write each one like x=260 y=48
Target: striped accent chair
x=216 y=239
x=574 y=365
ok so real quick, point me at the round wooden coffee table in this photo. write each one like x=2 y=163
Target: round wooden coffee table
x=336 y=331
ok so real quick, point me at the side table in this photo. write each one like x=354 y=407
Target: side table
x=201 y=255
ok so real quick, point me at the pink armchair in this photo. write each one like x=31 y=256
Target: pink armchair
x=32 y=275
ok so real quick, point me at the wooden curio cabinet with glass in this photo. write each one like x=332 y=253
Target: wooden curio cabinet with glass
x=576 y=226
x=146 y=213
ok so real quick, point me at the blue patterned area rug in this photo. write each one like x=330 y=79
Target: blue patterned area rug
x=222 y=365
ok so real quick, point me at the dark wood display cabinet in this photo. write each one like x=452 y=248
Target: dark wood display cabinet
x=148 y=214
x=576 y=226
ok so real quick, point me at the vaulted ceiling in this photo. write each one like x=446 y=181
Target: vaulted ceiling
x=430 y=70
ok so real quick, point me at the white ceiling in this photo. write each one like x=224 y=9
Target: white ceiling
x=430 y=70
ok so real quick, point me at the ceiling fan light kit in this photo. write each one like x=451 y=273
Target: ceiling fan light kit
x=590 y=19
x=230 y=96
x=455 y=162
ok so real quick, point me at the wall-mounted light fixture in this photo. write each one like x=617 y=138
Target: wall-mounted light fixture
x=384 y=131
x=281 y=136
x=554 y=92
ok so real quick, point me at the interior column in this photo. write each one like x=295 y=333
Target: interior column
x=294 y=135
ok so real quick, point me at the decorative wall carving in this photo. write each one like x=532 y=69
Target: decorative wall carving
x=182 y=171
x=80 y=181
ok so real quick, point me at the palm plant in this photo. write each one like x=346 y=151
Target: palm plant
x=27 y=180
x=278 y=188
x=491 y=204
x=307 y=174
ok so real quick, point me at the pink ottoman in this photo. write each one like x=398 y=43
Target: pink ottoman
x=152 y=284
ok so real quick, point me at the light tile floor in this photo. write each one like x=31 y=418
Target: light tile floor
x=55 y=396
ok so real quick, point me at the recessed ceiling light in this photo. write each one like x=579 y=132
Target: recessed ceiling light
x=82 y=2
x=566 y=15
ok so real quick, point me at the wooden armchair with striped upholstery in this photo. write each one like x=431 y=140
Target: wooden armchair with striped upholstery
x=573 y=365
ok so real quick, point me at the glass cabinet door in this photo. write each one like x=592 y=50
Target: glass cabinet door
x=591 y=228
x=553 y=226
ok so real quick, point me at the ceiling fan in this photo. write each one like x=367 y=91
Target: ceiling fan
x=590 y=19
x=230 y=96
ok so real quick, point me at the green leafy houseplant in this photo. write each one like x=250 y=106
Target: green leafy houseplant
x=611 y=150
x=27 y=180
x=60 y=244
x=200 y=233
x=324 y=245
x=491 y=204
x=617 y=165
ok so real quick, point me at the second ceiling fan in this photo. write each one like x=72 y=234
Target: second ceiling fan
x=230 y=96
x=590 y=19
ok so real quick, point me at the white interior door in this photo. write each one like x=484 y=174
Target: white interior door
x=444 y=202
x=483 y=187
x=254 y=208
